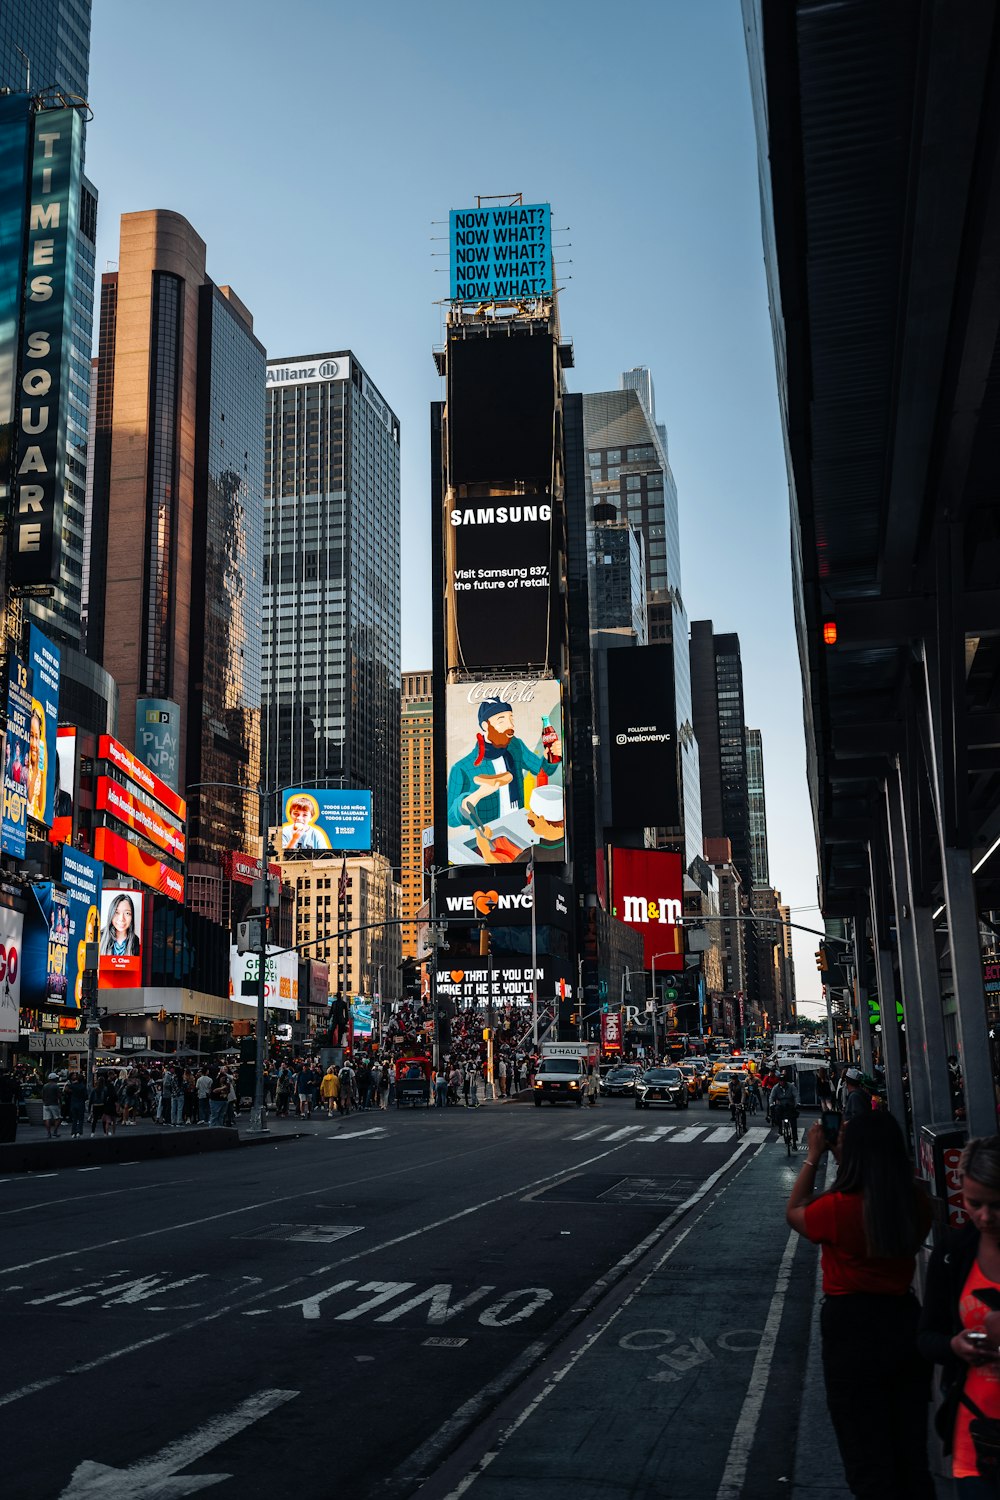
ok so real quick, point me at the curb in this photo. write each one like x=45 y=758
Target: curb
x=100 y=1150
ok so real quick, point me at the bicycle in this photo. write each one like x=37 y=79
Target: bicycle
x=787 y=1134
x=754 y=1102
x=738 y=1113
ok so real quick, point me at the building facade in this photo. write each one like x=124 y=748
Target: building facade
x=630 y=482
x=45 y=47
x=177 y=523
x=417 y=795
x=757 y=809
x=331 y=610
x=372 y=900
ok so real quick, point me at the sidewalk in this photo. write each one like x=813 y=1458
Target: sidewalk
x=698 y=1376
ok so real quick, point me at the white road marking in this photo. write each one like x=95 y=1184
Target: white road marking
x=85 y=1367
x=384 y=1292
x=619 y=1135
x=757 y=1133
x=723 y=1133
x=583 y=1134
x=354 y=1135
x=441 y=1309
x=689 y=1133
x=146 y=1187
x=425 y=1457
x=734 y=1474
x=659 y=1133
x=156 y=1476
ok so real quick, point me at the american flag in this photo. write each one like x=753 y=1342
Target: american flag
x=342 y=884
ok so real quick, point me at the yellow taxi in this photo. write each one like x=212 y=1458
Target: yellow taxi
x=694 y=1079
x=718 y=1089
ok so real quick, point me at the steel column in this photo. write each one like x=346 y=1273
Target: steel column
x=909 y=968
x=886 y=980
x=970 y=997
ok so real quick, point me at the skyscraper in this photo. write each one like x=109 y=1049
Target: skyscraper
x=630 y=482
x=757 y=809
x=331 y=621
x=45 y=45
x=416 y=777
x=177 y=526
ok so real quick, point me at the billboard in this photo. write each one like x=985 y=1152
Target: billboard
x=504 y=747
x=281 y=978
x=36 y=524
x=314 y=819
x=14 y=823
x=501 y=254
x=81 y=876
x=11 y=935
x=65 y=798
x=506 y=897
x=158 y=737
x=244 y=869
x=130 y=766
x=502 y=395
x=647 y=893
x=44 y=661
x=611 y=1031
x=499 y=984
x=121 y=939
x=112 y=798
x=498 y=564
x=361 y=1015
x=15 y=137
x=308 y=371
x=45 y=947
x=113 y=850
x=642 y=737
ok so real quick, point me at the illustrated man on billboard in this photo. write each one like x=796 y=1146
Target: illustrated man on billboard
x=546 y=819
x=488 y=782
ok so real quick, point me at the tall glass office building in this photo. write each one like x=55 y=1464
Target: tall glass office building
x=757 y=809
x=45 y=44
x=629 y=480
x=331 y=639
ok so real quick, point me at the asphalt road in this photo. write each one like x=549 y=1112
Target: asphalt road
x=349 y=1312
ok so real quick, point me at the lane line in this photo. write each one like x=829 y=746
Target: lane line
x=272 y=1291
x=738 y=1461
x=423 y=1460
x=110 y=1193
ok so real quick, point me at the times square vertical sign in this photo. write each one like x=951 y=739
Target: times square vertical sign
x=44 y=364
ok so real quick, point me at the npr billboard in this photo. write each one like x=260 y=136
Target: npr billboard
x=647 y=893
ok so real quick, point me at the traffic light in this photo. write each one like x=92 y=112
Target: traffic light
x=605 y=1006
x=484 y=942
x=822 y=962
x=487 y=1033
x=573 y=1018
x=161 y=1014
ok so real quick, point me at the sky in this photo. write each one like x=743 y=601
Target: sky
x=317 y=147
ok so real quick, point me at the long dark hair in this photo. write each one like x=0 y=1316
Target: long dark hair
x=874 y=1162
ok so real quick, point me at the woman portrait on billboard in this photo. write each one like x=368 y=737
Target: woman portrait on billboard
x=36 y=764
x=120 y=937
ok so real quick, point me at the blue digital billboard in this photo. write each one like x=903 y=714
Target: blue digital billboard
x=501 y=254
x=45 y=662
x=314 y=820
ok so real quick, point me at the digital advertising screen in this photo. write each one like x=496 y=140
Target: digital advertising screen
x=647 y=893
x=14 y=822
x=505 y=772
x=642 y=733
x=65 y=797
x=11 y=934
x=81 y=877
x=314 y=819
x=498 y=554
x=501 y=254
x=45 y=662
x=281 y=978
x=112 y=849
x=121 y=939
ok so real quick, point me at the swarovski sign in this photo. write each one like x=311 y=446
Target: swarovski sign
x=308 y=372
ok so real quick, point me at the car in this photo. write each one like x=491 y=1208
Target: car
x=718 y=1089
x=694 y=1078
x=662 y=1086
x=620 y=1081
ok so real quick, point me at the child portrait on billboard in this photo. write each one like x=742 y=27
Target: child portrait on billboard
x=491 y=784
x=300 y=831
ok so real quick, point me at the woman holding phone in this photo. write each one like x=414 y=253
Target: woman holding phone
x=960 y=1327
x=869 y=1225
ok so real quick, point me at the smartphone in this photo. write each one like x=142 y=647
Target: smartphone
x=831 y=1125
x=975 y=1336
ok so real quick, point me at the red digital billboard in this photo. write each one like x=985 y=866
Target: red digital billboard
x=113 y=798
x=647 y=893
x=121 y=855
x=109 y=749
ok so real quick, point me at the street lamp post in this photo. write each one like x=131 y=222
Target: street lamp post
x=667 y=953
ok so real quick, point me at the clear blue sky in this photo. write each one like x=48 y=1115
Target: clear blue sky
x=316 y=146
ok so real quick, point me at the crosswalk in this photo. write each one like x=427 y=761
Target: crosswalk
x=677 y=1135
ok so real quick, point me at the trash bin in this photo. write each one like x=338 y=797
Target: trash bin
x=941 y=1147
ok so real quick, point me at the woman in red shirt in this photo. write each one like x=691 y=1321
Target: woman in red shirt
x=869 y=1226
x=963 y=1295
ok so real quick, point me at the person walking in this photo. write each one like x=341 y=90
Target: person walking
x=219 y=1099
x=857 y=1100
x=103 y=1100
x=441 y=1087
x=51 y=1106
x=203 y=1086
x=959 y=1329
x=473 y=1075
x=870 y=1225
x=303 y=1090
x=382 y=1093
x=77 y=1092
x=329 y=1089
x=347 y=1089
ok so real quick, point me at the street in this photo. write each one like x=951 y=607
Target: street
x=373 y=1306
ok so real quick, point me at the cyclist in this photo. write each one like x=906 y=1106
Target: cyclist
x=738 y=1098
x=753 y=1092
x=784 y=1101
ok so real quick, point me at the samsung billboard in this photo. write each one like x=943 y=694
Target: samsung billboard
x=642 y=737
x=499 y=566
